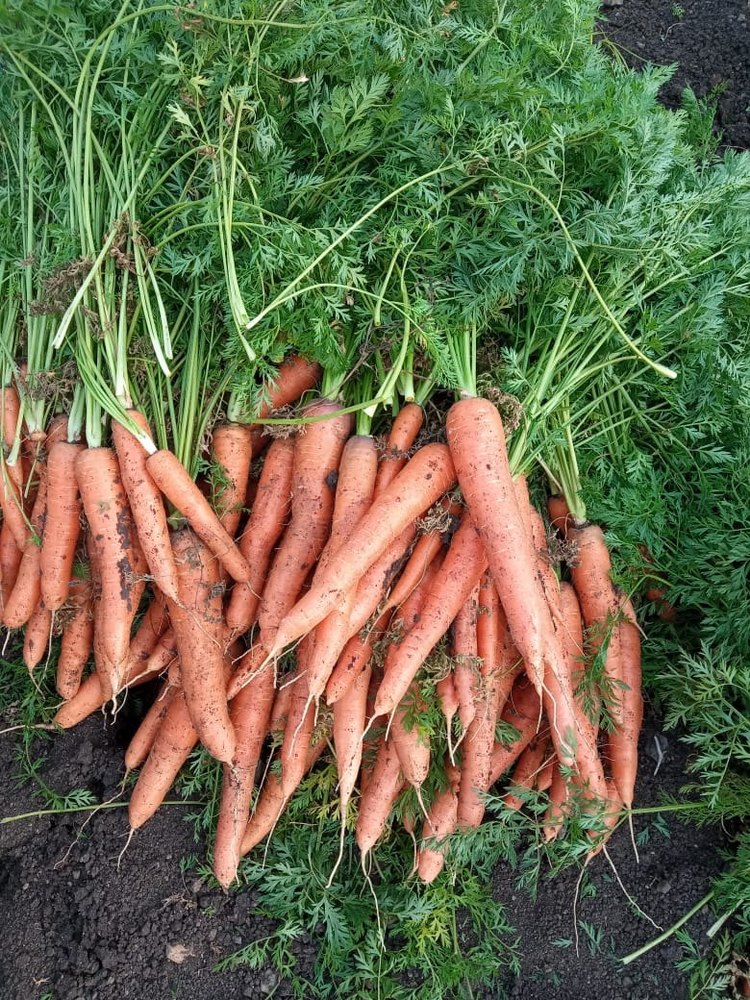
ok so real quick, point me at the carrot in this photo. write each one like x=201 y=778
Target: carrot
x=412 y=741
x=527 y=767
x=23 y=599
x=476 y=765
x=295 y=376
x=146 y=504
x=554 y=816
x=272 y=800
x=404 y=432
x=521 y=712
x=232 y=454
x=559 y=514
x=12 y=473
x=263 y=530
x=354 y=493
x=163 y=653
x=355 y=658
x=62 y=526
x=477 y=442
x=462 y=567
x=153 y=625
x=173 y=744
x=440 y=823
x=145 y=735
x=37 y=636
x=198 y=626
x=117 y=557
x=378 y=798
x=317 y=454
x=377 y=581
x=543 y=780
x=425 y=478
x=299 y=729
x=448 y=698
x=465 y=655
x=572 y=633
x=250 y=714
x=77 y=638
x=10 y=560
x=627 y=709
x=349 y=715
x=175 y=483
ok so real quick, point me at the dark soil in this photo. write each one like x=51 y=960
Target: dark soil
x=78 y=926
x=709 y=40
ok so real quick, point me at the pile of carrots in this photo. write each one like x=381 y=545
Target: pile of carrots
x=332 y=586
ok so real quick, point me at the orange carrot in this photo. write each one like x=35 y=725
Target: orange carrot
x=145 y=735
x=440 y=823
x=477 y=442
x=465 y=654
x=299 y=729
x=263 y=530
x=412 y=741
x=12 y=473
x=182 y=492
x=448 y=698
x=77 y=638
x=62 y=525
x=404 y=432
x=10 y=560
x=377 y=581
x=349 y=715
x=317 y=454
x=543 y=780
x=37 y=637
x=198 y=626
x=521 y=712
x=146 y=504
x=528 y=766
x=295 y=376
x=355 y=657
x=232 y=454
x=250 y=714
x=423 y=481
x=118 y=558
x=378 y=798
x=153 y=625
x=554 y=816
x=462 y=567
x=627 y=708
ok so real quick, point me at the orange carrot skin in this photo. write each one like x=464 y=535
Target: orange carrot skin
x=403 y=434
x=378 y=798
x=175 y=483
x=477 y=442
x=37 y=637
x=146 y=504
x=421 y=483
x=465 y=653
x=441 y=822
x=10 y=560
x=355 y=658
x=296 y=375
x=26 y=592
x=317 y=455
x=62 y=525
x=77 y=639
x=272 y=800
x=349 y=716
x=521 y=712
x=412 y=746
x=627 y=713
x=198 y=626
x=554 y=817
x=543 y=781
x=264 y=528
x=173 y=744
x=462 y=567
x=152 y=627
x=144 y=737
x=118 y=559
x=378 y=579
x=232 y=451
x=524 y=774
x=298 y=731
x=12 y=476
x=250 y=714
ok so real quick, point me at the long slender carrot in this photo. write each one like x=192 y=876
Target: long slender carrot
x=62 y=526
x=10 y=560
x=423 y=481
x=250 y=714
x=461 y=569
x=349 y=715
x=263 y=530
x=145 y=735
x=521 y=712
x=146 y=504
x=403 y=434
x=118 y=555
x=377 y=581
x=627 y=708
x=77 y=638
x=466 y=657
x=554 y=816
x=530 y=762
x=440 y=823
x=355 y=658
x=232 y=455
x=37 y=637
x=183 y=493
x=317 y=455
x=477 y=442
x=378 y=798
x=198 y=626
x=11 y=473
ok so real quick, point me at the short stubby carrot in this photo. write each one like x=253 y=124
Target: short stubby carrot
x=378 y=798
x=199 y=629
x=77 y=637
x=426 y=477
x=440 y=823
x=264 y=528
x=36 y=640
x=146 y=504
x=175 y=483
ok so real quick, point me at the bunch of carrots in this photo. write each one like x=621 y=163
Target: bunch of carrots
x=332 y=586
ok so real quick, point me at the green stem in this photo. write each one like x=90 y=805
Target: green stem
x=670 y=930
